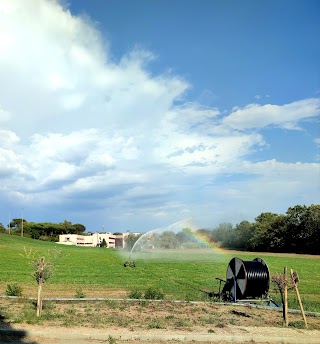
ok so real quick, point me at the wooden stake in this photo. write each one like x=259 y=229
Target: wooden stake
x=39 y=299
x=293 y=278
x=285 y=304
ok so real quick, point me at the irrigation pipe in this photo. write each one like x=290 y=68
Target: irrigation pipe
x=249 y=305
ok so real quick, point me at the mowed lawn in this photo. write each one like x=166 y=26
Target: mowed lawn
x=99 y=272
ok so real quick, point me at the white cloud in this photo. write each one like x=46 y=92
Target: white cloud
x=281 y=182
x=9 y=162
x=8 y=138
x=191 y=138
x=206 y=154
x=284 y=116
x=84 y=134
x=59 y=68
x=4 y=115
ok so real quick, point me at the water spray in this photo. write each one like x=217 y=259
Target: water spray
x=146 y=238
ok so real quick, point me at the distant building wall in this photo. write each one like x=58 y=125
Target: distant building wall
x=95 y=239
x=91 y=240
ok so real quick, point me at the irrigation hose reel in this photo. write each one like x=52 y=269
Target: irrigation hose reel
x=246 y=279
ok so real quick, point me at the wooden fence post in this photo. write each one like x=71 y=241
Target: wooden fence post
x=285 y=292
x=295 y=280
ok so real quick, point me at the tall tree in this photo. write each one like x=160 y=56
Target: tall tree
x=225 y=234
x=67 y=226
x=78 y=228
x=2 y=229
x=130 y=240
x=167 y=239
x=303 y=226
x=184 y=236
x=244 y=235
x=262 y=228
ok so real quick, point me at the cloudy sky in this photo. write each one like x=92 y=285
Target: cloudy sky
x=132 y=115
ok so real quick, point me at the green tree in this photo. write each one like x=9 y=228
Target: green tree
x=2 y=229
x=296 y=231
x=312 y=235
x=276 y=238
x=167 y=239
x=302 y=229
x=50 y=231
x=243 y=235
x=262 y=229
x=206 y=235
x=103 y=243
x=224 y=233
x=67 y=227
x=130 y=240
x=183 y=236
x=78 y=228
x=15 y=224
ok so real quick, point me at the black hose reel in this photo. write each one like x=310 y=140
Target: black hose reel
x=246 y=279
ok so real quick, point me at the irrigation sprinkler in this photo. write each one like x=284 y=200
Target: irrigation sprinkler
x=129 y=263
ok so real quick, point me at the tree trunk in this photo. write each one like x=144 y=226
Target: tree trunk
x=39 y=298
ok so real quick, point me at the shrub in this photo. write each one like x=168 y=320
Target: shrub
x=183 y=323
x=80 y=294
x=156 y=324
x=13 y=290
x=135 y=294
x=111 y=340
x=153 y=294
x=297 y=324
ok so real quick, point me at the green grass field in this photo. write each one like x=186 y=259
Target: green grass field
x=100 y=272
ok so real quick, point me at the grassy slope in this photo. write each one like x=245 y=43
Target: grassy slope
x=102 y=270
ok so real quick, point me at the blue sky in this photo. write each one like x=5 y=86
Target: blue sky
x=133 y=115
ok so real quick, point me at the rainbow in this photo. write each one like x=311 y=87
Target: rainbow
x=193 y=232
x=203 y=240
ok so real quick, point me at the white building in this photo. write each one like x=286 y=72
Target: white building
x=92 y=240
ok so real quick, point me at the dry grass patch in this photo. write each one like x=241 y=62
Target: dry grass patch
x=146 y=315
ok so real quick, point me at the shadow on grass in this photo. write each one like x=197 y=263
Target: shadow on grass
x=10 y=335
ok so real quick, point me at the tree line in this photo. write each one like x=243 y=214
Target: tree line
x=42 y=230
x=296 y=231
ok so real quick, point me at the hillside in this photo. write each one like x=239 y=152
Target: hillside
x=99 y=272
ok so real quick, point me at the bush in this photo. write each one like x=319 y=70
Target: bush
x=156 y=324
x=13 y=290
x=297 y=324
x=135 y=294
x=48 y=238
x=153 y=294
x=80 y=294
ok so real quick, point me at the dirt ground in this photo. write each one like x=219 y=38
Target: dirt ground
x=154 y=322
x=230 y=334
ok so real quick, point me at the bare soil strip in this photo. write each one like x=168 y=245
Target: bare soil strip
x=155 y=322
